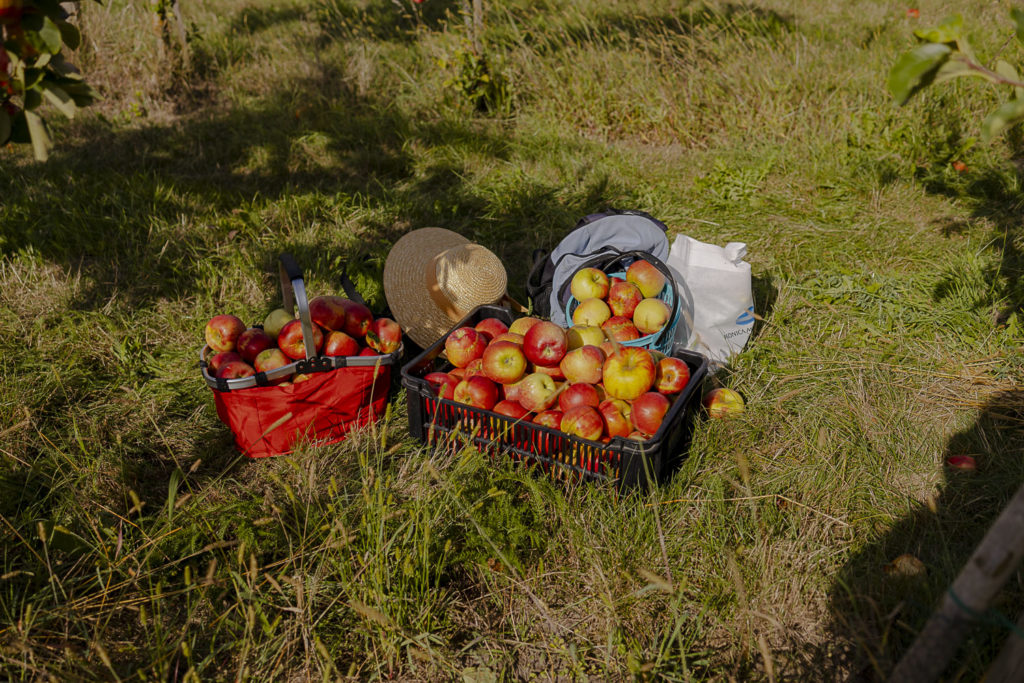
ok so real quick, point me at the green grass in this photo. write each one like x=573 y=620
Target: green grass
x=137 y=544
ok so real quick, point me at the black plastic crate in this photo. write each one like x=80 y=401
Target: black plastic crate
x=627 y=461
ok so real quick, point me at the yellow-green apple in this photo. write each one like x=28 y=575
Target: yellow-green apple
x=510 y=336
x=651 y=315
x=252 y=342
x=357 y=318
x=555 y=371
x=223 y=331
x=219 y=360
x=722 y=402
x=511 y=409
x=300 y=377
x=290 y=340
x=646 y=277
x=338 y=343
x=491 y=328
x=236 y=369
x=581 y=335
x=549 y=418
x=270 y=359
x=579 y=394
x=673 y=374
x=442 y=382
x=591 y=312
x=545 y=344
x=504 y=362
x=620 y=328
x=582 y=421
x=617 y=416
x=523 y=325
x=328 y=312
x=623 y=298
x=584 y=364
x=477 y=391
x=275 y=320
x=463 y=346
x=589 y=283
x=384 y=335
x=536 y=392
x=649 y=411
x=628 y=373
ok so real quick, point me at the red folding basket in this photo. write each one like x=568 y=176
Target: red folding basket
x=344 y=392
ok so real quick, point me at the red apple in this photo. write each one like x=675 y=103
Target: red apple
x=443 y=383
x=511 y=409
x=504 y=362
x=651 y=315
x=629 y=373
x=236 y=369
x=646 y=277
x=965 y=463
x=475 y=368
x=523 y=325
x=554 y=372
x=589 y=283
x=219 y=360
x=491 y=328
x=340 y=344
x=549 y=418
x=328 y=312
x=672 y=376
x=290 y=340
x=649 y=411
x=384 y=335
x=583 y=421
x=536 y=392
x=581 y=335
x=623 y=298
x=617 y=416
x=357 y=318
x=591 y=312
x=463 y=346
x=275 y=320
x=477 y=391
x=272 y=359
x=545 y=344
x=584 y=364
x=367 y=351
x=620 y=328
x=252 y=342
x=580 y=394
x=223 y=331
x=722 y=402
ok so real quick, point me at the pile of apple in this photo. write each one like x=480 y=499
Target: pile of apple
x=625 y=309
x=576 y=380
x=341 y=327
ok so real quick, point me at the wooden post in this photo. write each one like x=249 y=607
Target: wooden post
x=1008 y=666
x=995 y=558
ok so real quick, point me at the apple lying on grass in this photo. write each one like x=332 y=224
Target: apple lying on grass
x=722 y=402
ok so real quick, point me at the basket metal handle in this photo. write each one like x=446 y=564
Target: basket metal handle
x=293 y=291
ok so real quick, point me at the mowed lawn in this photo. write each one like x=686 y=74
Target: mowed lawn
x=887 y=250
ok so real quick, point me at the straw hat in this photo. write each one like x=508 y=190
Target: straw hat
x=433 y=277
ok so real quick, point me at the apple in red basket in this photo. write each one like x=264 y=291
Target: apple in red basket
x=357 y=318
x=545 y=344
x=523 y=325
x=340 y=344
x=554 y=372
x=491 y=328
x=219 y=360
x=646 y=277
x=620 y=328
x=536 y=392
x=623 y=298
x=580 y=394
x=328 y=312
x=235 y=369
x=504 y=362
x=477 y=391
x=722 y=402
x=511 y=409
x=672 y=376
x=589 y=283
x=290 y=340
x=549 y=418
x=582 y=335
x=271 y=359
x=651 y=315
x=629 y=373
x=252 y=342
x=275 y=320
x=649 y=411
x=367 y=351
x=583 y=421
x=223 y=331
x=584 y=364
x=463 y=346
x=591 y=312
x=384 y=335
x=617 y=416
x=443 y=383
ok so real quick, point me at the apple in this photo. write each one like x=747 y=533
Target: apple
x=672 y=376
x=549 y=418
x=223 y=331
x=617 y=415
x=555 y=371
x=609 y=347
x=637 y=436
x=620 y=328
x=463 y=346
x=328 y=312
x=219 y=360
x=623 y=298
x=443 y=383
x=646 y=277
x=235 y=369
x=651 y=315
x=582 y=421
x=290 y=340
x=523 y=325
x=649 y=411
x=722 y=402
x=275 y=320
x=581 y=335
x=384 y=335
x=512 y=409
x=357 y=318
x=589 y=283
x=591 y=312
x=367 y=351
x=579 y=394
x=584 y=364
x=475 y=367
x=271 y=359
x=252 y=342
x=629 y=373
x=338 y=343
x=477 y=391
x=510 y=336
x=964 y=463
x=504 y=362
x=491 y=328
x=536 y=392
x=545 y=344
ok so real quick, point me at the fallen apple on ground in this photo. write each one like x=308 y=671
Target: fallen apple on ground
x=722 y=402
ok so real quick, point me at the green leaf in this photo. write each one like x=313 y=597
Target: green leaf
x=41 y=142
x=948 y=31
x=59 y=98
x=916 y=69
x=1007 y=71
x=70 y=34
x=1018 y=18
x=955 y=67
x=50 y=35
x=5 y=126
x=41 y=33
x=1002 y=118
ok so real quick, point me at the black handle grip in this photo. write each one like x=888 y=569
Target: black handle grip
x=291 y=268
